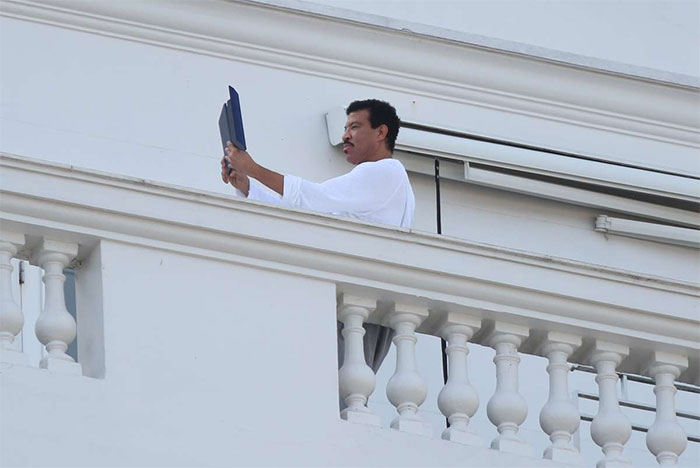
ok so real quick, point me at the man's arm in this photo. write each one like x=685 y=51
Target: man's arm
x=365 y=189
x=271 y=179
x=362 y=191
x=243 y=166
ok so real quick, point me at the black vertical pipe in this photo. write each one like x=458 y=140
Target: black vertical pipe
x=443 y=343
x=437 y=196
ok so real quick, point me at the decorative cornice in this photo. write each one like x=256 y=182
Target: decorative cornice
x=360 y=53
x=490 y=282
x=215 y=199
x=486 y=42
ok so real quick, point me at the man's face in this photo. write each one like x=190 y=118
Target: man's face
x=361 y=142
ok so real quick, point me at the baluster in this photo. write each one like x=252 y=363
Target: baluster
x=560 y=417
x=55 y=327
x=610 y=429
x=666 y=438
x=406 y=389
x=458 y=400
x=11 y=316
x=507 y=409
x=356 y=379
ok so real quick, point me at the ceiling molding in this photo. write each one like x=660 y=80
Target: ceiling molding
x=274 y=37
x=487 y=42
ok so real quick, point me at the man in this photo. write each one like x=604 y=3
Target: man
x=377 y=189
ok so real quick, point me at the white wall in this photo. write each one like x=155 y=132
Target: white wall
x=174 y=376
x=660 y=34
x=151 y=112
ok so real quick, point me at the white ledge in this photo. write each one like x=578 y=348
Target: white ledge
x=384 y=263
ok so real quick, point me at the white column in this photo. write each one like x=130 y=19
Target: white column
x=610 y=429
x=666 y=438
x=55 y=327
x=406 y=389
x=458 y=400
x=560 y=417
x=11 y=316
x=355 y=377
x=507 y=409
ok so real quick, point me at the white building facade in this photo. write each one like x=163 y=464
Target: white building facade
x=206 y=324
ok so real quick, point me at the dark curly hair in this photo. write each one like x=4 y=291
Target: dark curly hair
x=380 y=113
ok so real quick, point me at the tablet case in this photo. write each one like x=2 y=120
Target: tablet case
x=231 y=121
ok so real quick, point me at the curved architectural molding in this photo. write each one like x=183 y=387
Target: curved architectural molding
x=288 y=39
x=490 y=43
x=490 y=282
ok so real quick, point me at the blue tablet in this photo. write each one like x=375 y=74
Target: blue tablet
x=235 y=119
x=231 y=121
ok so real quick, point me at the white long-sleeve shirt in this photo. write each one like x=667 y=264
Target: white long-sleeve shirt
x=377 y=191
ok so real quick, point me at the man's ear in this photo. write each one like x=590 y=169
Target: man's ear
x=382 y=131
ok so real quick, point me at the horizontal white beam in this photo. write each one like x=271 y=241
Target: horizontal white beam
x=648 y=231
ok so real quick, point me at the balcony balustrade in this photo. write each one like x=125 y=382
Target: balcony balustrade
x=559 y=418
x=464 y=293
x=55 y=327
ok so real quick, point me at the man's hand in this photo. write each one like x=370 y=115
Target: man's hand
x=243 y=166
x=240 y=160
x=235 y=177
